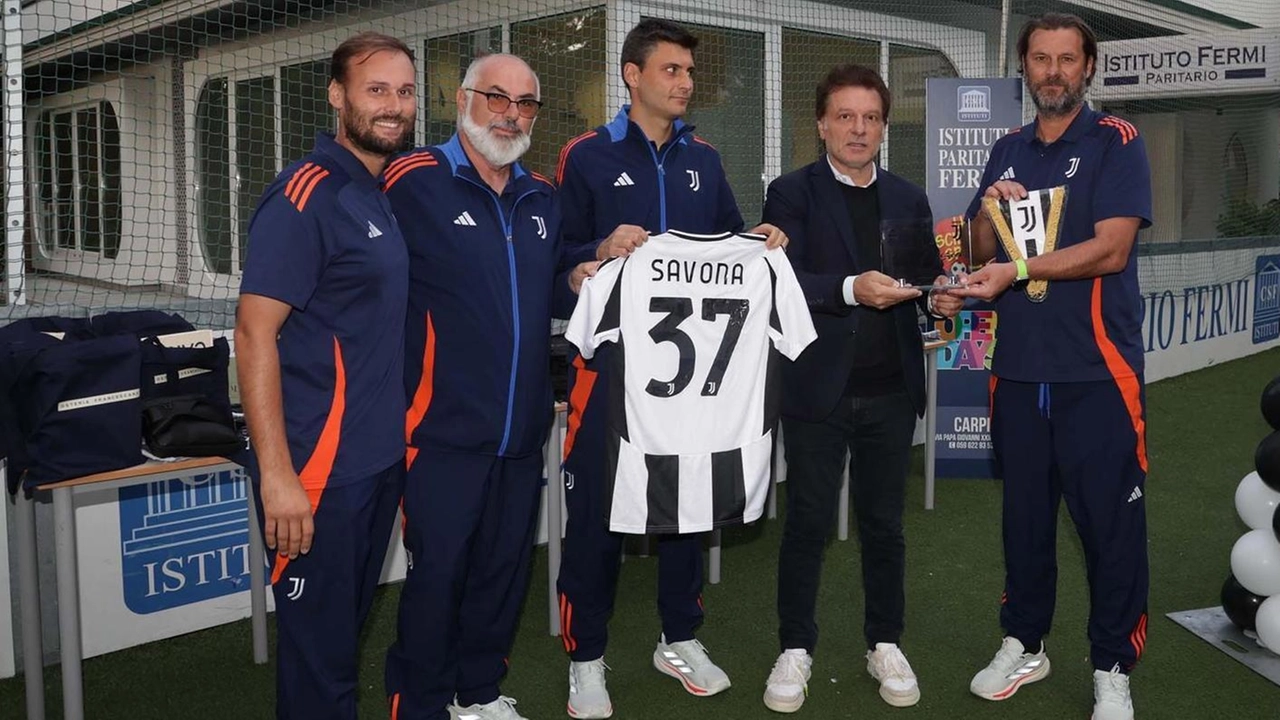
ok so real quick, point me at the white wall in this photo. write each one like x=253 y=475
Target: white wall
x=141 y=101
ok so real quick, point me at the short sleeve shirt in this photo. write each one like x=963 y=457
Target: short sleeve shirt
x=324 y=240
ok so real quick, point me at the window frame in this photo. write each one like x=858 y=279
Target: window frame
x=45 y=213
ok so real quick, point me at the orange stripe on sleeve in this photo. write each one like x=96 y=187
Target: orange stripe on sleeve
x=704 y=142
x=564 y=154
x=1127 y=131
x=394 y=176
x=405 y=160
x=311 y=185
x=302 y=179
x=293 y=181
x=315 y=474
x=1126 y=379
x=395 y=706
x=586 y=379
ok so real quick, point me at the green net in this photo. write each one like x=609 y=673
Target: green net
x=140 y=135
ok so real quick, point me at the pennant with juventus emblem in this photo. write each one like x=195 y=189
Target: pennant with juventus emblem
x=1029 y=227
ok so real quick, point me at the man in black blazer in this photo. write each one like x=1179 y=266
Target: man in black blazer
x=860 y=387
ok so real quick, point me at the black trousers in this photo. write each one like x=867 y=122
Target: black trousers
x=876 y=432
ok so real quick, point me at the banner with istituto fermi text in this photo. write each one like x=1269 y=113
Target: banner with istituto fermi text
x=964 y=118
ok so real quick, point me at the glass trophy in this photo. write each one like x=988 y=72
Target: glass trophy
x=910 y=253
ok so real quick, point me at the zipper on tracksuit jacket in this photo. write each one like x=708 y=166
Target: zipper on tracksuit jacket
x=508 y=224
x=662 y=174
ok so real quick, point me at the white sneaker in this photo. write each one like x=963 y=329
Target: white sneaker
x=687 y=662
x=1010 y=669
x=1111 y=700
x=588 y=696
x=898 y=684
x=501 y=709
x=788 y=683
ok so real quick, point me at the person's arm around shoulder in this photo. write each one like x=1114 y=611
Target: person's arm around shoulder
x=286 y=507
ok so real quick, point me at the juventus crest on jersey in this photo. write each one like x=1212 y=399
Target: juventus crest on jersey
x=694 y=403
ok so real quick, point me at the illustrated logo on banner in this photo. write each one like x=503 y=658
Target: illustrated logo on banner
x=973 y=103
x=184 y=540
x=1266 y=300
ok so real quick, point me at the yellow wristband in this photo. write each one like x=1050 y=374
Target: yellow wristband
x=1022 y=270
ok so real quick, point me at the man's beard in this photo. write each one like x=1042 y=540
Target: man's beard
x=1061 y=105
x=498 y=151
x=362 y=133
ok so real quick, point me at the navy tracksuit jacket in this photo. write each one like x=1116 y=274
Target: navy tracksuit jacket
x=612 y=176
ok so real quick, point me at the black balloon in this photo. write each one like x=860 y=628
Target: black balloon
x=1271 y=403
x=1240 y=605
x=1275 y=522
x=1266 y=459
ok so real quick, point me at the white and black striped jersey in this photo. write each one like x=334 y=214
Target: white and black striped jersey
x=693 y=395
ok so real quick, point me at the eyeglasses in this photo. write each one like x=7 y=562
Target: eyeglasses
x=498 y=103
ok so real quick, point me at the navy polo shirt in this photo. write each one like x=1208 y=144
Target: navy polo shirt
x=1089 y=329
x=324 y=240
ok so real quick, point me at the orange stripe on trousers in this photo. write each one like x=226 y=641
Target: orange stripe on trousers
x=584 y=381
x=1138 y=638
x=566 y=624
x=1124 y=376
x=422 y=395
x=315 y=474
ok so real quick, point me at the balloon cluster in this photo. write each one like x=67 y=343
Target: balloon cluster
x=1251 y=594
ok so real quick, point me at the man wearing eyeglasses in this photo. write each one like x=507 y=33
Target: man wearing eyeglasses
x=482 y=234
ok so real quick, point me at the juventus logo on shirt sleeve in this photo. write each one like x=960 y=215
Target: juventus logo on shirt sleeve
x=696 y=319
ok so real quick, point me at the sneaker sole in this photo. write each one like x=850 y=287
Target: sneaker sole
x=1009 y=690
x=900 y=700
x=568 y=708
x=784 y=706
x=661 y=666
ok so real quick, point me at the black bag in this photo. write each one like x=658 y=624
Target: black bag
x=188 y=426
x=74 y=407
x=186 y=404
x=171 y=371
x=139 y=323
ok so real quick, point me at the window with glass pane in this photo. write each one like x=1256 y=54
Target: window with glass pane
x=64 y=185
x=110 y=180
x=568 y=52
x=213 y=174
x=806 y=58
x=728 y=108
x=90 y=192
x=446 y=60
x=909 y=67
x=78 y=179
x=304 y=100
x=255 y=149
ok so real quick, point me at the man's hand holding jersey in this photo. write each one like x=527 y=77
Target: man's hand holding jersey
x=775 y=237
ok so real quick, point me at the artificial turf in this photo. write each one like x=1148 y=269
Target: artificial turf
x=1202 y=427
